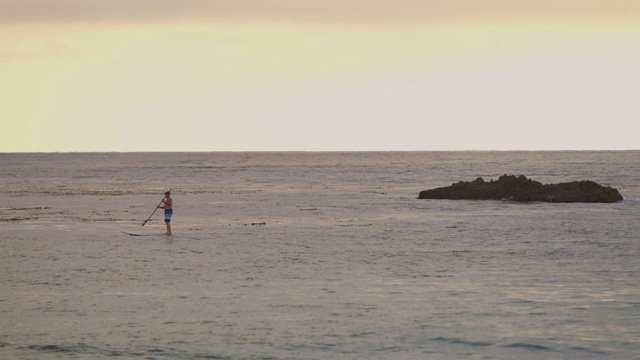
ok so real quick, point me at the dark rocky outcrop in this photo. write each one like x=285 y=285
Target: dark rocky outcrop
x=519 y=188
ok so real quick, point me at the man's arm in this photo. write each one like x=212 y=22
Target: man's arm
x=168 y=203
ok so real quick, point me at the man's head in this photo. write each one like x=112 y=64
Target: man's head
x=168 y=193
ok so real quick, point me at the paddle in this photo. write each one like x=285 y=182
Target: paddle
x=154 y=211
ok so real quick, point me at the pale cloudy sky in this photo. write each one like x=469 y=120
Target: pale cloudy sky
x=262 y=75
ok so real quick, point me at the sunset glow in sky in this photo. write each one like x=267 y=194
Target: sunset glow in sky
x=262 y=75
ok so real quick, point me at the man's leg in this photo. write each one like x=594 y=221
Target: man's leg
x=167 y=221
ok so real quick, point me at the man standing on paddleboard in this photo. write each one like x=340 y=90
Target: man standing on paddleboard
x=168 y=210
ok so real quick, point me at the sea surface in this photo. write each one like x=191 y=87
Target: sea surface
x=304 y=255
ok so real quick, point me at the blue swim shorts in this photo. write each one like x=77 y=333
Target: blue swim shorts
x=167 y=215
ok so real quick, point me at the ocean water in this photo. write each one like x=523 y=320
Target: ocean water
x=314 y=256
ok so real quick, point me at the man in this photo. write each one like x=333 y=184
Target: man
x=168 y=211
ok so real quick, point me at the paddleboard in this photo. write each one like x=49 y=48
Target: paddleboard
x=142 y=234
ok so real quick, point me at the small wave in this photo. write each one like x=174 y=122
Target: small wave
x=461 y=341
x=529 y=347
x=75 y=349
x=92 y=350
x=591 y=351
x=48 y=348
x=150 y=352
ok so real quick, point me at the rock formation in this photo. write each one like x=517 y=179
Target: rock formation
x=519 y=188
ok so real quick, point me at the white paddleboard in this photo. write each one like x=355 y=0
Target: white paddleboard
x=142 y=234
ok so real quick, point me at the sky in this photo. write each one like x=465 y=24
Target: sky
x=330 y=75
